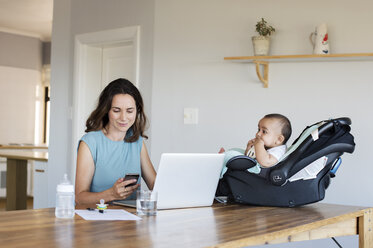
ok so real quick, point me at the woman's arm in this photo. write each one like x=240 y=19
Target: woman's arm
x=147 y=169
x=84 y=173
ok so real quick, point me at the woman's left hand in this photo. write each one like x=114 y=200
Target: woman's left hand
x=122 y=190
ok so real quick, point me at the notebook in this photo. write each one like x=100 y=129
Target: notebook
x=185 y=180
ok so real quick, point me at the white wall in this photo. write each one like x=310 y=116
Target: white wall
x=17 y=104
x=61 y=97
x=191 y=39
x=20 y=75
x=189 y=71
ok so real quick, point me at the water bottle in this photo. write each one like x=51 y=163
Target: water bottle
x=65 y=200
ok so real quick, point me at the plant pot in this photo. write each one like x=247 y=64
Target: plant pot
x=261 y=45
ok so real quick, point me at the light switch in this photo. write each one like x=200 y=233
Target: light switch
x=190 y=115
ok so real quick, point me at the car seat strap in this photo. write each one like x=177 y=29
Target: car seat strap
x=315 y=134
x=335 y=167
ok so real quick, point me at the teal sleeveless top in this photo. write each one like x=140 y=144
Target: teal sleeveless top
x=112 y=159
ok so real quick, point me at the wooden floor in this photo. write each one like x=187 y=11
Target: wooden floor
x=30 y=203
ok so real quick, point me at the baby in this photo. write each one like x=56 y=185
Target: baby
x=269 y=144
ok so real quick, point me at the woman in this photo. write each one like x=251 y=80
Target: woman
x=113 y=147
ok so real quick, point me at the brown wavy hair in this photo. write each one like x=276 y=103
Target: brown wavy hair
x=99 y=118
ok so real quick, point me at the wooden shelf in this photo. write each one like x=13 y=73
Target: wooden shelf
x=265 y=60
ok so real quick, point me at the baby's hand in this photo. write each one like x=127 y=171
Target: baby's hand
x=258 y=141
x=250 y=143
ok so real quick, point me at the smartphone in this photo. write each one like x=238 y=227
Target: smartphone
x=130 y=176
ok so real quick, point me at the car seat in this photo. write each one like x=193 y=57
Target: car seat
x=302 y=174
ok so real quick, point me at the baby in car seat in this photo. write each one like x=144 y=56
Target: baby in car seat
x=269 y=144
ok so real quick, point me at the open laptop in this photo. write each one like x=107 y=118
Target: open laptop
x=185 y=180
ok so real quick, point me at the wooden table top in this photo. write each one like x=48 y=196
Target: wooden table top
x=23 y=146
x=24 y=155
x=217 y=226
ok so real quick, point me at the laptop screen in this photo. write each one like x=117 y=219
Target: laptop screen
x=187 y=179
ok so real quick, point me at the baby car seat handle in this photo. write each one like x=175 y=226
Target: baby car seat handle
x=280 y=174
x=334 y=123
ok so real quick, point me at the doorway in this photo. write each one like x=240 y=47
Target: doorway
x=100 y=57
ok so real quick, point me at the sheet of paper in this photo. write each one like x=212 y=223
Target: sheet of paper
x=109 y=214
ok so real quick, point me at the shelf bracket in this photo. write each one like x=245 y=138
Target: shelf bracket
x=264 y=78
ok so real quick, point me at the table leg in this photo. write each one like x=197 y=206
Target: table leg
x=16 y=184
x=365 y=229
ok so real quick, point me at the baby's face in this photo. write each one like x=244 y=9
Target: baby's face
x=269 y=130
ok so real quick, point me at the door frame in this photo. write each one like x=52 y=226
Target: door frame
x=81 y=60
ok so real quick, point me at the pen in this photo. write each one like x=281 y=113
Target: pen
x=92 y=209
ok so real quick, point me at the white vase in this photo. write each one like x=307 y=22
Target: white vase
x=261 y=45
x=320 y=40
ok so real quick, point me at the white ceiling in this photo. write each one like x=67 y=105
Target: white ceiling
x=27 y=17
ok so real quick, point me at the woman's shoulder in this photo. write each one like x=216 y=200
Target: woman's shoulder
x=91 y=136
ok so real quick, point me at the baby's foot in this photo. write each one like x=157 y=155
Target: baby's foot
x=222 y=150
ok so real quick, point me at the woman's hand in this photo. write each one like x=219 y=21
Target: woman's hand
x=121 y=190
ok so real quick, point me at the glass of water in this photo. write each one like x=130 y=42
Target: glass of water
x=146 y=202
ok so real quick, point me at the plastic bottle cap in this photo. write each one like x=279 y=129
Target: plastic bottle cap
x=65 y=185
x=65 y=188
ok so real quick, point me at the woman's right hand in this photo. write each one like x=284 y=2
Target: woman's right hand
x=121 y=190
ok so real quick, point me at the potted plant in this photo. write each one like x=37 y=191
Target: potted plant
x=261 y=43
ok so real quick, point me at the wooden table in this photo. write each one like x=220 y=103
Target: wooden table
x=217 y=226
x=16 y=175
x=22 y=146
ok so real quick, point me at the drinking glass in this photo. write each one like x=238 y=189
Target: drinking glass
x=146 y=202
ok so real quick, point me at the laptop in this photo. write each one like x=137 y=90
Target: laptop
x=185 y=180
